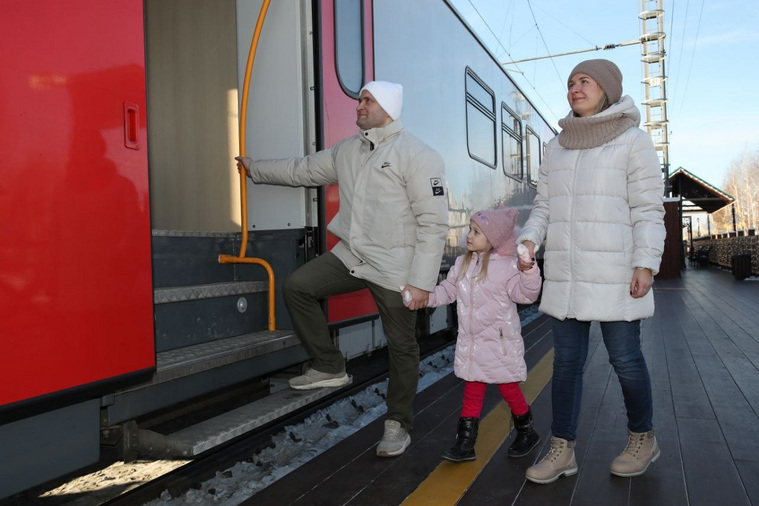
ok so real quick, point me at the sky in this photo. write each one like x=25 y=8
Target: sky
x=712 y=65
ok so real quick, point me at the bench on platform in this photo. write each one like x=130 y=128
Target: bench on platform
x=702 y=256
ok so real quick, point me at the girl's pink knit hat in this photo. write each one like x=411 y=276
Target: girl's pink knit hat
x=499 y=226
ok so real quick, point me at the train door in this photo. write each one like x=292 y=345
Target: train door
x=75 y=241
x=347 y=56
x=75 y=270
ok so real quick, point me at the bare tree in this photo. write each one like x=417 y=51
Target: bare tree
x=742 y=182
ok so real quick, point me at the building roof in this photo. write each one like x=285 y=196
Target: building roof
x=697 y=194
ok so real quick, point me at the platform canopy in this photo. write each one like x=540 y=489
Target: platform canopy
x=697 y=195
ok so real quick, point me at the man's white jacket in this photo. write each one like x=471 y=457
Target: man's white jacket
x=393 y=217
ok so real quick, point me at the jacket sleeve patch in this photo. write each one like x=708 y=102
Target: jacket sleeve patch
x=437 y=186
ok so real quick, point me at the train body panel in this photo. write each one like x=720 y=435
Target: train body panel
x=280 y=107
x=457 y=97
x=91 y=298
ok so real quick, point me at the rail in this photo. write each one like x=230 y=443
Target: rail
x=241 y=258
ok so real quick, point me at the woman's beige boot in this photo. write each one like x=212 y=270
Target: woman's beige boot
x=641 y=451
x=559 y=460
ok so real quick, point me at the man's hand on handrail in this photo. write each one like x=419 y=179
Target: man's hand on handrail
x=243 y=164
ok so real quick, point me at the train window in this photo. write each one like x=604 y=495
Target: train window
x=480 y=120
x=349 y=45
x=534 y=154
x=511 y=140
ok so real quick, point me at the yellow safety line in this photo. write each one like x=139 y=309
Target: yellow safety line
x=448 y=482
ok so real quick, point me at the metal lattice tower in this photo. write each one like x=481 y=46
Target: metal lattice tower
x=654 y=80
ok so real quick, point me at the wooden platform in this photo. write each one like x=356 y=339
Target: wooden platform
x=702 y=348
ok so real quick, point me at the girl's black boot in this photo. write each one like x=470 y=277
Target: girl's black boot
x=527 y=438
x=466 y=436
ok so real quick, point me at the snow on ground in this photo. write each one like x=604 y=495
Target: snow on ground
x=297 y=444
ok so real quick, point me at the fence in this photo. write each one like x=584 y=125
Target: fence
x=725 y=246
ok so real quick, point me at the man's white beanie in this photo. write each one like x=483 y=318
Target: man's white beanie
x=388 y=95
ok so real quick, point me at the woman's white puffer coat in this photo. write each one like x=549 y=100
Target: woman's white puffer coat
x=600 y=211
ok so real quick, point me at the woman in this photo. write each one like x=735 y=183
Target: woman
x=599 y=208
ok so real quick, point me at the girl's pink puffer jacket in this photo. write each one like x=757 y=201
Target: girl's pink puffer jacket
x=489 y=347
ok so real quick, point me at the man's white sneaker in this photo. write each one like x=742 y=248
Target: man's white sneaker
x=394 y=441
x=316 y=379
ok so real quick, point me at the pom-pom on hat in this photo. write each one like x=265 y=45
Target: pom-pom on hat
x=605 y=73
x=388 y=95
x=498 y=225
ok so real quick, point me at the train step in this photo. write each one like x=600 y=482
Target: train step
x=210 y=433
x=182 y=362
x=189 y=315
x=185 y=373
x=207 y=291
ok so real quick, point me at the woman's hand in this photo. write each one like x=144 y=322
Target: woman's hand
x=641 y=283
x=523 y=263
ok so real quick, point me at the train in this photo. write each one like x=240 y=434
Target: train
x=139 y=270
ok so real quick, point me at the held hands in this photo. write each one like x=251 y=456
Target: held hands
x=641 y=283
x=414 y=298
x=243 y=164
x=525 y=255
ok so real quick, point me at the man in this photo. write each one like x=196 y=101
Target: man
x=392 y=224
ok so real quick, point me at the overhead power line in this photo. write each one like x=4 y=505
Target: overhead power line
x=596 y=48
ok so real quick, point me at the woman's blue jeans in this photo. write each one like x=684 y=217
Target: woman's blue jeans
x=622 y=340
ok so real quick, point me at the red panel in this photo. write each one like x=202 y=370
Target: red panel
x=75 y=271
x=339 y=123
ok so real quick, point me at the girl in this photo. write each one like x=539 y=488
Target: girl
x=487 y=285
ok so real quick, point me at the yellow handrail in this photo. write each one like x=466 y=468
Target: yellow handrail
x=241 y=259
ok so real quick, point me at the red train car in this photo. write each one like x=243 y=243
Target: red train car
x=119 y=122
